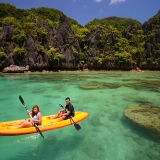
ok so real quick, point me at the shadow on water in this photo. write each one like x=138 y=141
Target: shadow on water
x=137 y=130
x=52 y=147
x=149 y=146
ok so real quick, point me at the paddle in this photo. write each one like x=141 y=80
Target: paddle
x=77 y=126
x=35 y=125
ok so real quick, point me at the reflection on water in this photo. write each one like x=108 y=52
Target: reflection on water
x=105 y=135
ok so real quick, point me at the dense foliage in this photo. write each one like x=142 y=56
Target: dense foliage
x=108 y=43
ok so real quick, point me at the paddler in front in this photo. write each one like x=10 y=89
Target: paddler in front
x=36 y=118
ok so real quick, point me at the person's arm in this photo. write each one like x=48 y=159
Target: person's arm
x=69 y=111
x=29 y=112
x=62 y=110
x=66 y=114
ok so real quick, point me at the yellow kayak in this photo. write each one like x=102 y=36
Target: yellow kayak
x=9 y=128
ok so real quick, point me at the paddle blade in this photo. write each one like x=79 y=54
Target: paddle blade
x=61 y=105
x=21 y=99
x=77 y=126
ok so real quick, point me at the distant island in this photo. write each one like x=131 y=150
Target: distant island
x=46 y=39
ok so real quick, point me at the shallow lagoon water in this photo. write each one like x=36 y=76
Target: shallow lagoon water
x=105 y=135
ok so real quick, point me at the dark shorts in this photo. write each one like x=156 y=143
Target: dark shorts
x=68 y=117
x=33 y=123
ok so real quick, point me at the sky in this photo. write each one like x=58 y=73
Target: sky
x=84 y=11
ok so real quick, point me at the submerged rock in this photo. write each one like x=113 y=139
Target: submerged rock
x=89 y=86
x=146 y=85
x=112 y=85
x=147 y=117
x=142 y=101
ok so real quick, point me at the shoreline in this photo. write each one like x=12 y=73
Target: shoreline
x=26 y=69
x=75 y=71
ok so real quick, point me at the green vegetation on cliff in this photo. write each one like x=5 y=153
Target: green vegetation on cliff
x=48 y=38
x=116 y=22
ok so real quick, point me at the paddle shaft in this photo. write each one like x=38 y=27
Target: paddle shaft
x=35 y=125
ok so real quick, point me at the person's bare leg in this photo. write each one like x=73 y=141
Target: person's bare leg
x=14 y=123
x=25 y=124
x=56 y=116
x=61 y=118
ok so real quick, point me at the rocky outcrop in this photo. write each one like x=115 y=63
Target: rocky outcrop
x=46 y=39
x=147 y=117
x=152 y=30
x=61 y=38
x=65 y=40
x=137 y=69
x=15 y=69
x=95 y=42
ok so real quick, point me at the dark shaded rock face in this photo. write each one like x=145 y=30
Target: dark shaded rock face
x=65 y=38
x=7 y=32
x=61 y=38
x=94 y=45
x=99 y=48
x=145 y=116
x=152 y=30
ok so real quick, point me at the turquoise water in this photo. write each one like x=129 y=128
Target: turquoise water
x=104 y=135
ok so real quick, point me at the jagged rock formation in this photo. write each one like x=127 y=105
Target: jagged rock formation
x=151 y=28
x=58 y=37
x=46 y=39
